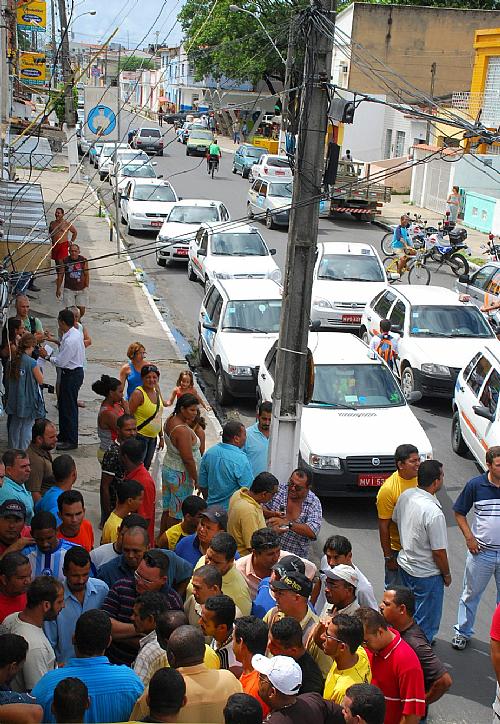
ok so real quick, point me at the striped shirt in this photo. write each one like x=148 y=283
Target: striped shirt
x=48 y=564
x=311 y=514
x=484 y=499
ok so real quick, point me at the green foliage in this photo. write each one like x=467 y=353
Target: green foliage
x=23 y=40
x=134 y=62
x=461 y=4
x=57 y=103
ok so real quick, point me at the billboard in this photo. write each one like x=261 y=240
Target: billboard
x=101 y=113
x=32 y=15
x=32 y=68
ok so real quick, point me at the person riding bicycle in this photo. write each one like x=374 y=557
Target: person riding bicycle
x=402 y=245
x=213 y=154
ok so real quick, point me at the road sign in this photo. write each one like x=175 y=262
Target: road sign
x=32 y=15
x=32 y=68
x=101 y=120
x=101 y=112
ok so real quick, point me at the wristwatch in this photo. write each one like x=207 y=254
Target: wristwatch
x=290 y=524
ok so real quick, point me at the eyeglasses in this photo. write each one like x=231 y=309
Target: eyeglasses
x=333 y=638
x=292 y=485
x=139 y=577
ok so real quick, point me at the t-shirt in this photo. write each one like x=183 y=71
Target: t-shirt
x=40 y=657
x=48 y=564
x=484 y=499
x=250 y=684
x=245 y=517
x=339 y=680
x=171 y=537
x=233 y=585
x=49 y=502
x=147 y=509
x=85 y=537
x=110 y=528
x=11 y=604
x=74 y=273
x=387 y=497
x=432 y=667
x=308 y=708
x=312 y=678
x=103 y=554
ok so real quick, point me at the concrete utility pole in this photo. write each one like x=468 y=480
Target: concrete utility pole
x=4 y=79
x=53 y=76
x=69 y=102
x=302 y=239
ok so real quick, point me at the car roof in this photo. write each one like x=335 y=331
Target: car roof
x=198 y=202
x=428 y=295
x=277 y=155
x=339 y=348
x=148 y=128
x=355 y=248
x=234 y=228
x=245 y=289
x=150 y=181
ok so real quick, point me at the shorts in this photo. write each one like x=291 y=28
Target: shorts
x=398 y=251
x=76 y=299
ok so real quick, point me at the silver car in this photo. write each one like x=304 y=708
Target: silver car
x=483 y=286
x=272 y=199
x=149 y=140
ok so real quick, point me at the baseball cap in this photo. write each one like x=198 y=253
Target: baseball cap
x=342 y=573
x=296 y=582
x=216 y=514
x=13 y=507
x=289 y=564
x=282 y=671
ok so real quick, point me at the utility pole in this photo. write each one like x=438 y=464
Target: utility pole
x=291 y=361
x=4 y=79
x=119 y=136
x=433 y=80
x=53 y=76
x=69 y=102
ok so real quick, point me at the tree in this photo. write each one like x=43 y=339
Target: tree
x=57 y=104
x=134 y=62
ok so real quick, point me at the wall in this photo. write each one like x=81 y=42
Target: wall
x=470 y=172
x=479 y=211
x=410 y=38
x=401 y=181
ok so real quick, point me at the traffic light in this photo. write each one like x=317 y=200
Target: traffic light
x=278 y=107
x=348 y=112
x=332 y=162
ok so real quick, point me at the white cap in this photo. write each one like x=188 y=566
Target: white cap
x=343 y=573
x=282 y=671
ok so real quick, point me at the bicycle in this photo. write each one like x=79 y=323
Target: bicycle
x=415 y=266
x=213 y=165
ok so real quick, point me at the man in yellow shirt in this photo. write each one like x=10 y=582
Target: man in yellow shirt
x=129 y=498
x=407 y=461
x=342 y=641
x=192 y=507
x=245 y=510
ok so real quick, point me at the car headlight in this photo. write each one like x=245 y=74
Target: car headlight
x=239 y=371
x=164 y=240
x=324 y=462
x=275 y=275
x=321 y=303
x=432 y=369
x=222 y=275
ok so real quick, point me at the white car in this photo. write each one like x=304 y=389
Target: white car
x=104 y=158
x=181 y=225
x=356 y=417
x=145 y=203
x=238 y=321
x=347 y=275
x=270 y=166
x=439 y=335
x=125 y=155
x=476 y=424
x=132 y=169
x=227 y=251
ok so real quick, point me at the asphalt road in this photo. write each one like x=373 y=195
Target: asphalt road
x=470 y=698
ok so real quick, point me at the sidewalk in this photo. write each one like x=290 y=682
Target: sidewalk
x=121 y=311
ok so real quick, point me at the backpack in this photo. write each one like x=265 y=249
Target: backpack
x=385 y=349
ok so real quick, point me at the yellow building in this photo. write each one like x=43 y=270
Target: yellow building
x=485 y=83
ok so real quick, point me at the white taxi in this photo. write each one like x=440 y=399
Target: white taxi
x=145 y=203
x=270 y=166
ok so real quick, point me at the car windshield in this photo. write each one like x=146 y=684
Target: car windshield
x=131 y=156
x=355 y=387
x=138 y=170
x=106 y=151
x=448 y=321
x=349 y=267
x=278 y=162
x=154 y=193
x=194 y=214
x=254 y=315
x=282 y=190
x=149 y=133
x=202 y=135
x=254 y=152
x=242 y=244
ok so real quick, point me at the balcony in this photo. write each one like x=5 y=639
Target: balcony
x=488 y=103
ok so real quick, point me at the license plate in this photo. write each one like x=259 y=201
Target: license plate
x=280 y=173
x=371 y=480
x=201 y=148
x=157 y=223
x=181 y=252
x=351 y=318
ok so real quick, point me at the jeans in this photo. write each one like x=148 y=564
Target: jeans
x=236 y=137
x=478 y=570
x=149 y=444
x=20 y=432
x=71 y=381
x=392 y=578
x=429 y=594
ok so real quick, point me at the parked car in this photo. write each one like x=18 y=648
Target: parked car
x=199 y=141
x=181 y=225
x=483 y=287
x=346 y=276
x=104 y=159
x=270 y=166
x=149 y=140
x=125 y=155
x=132 y=169
x=356 y=417
x=145 y=203
x=244 y=158
x=475 y=425
x=238 y=320
x=173 y=118
x=439 y=334
x=95 y=150
x=239 y=252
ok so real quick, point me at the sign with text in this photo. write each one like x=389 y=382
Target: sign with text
x=32 y=15
x=32 y=68
x=101 y=113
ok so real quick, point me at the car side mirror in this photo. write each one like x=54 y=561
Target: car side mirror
x=464 y=278
x=154 y=163
x=160 y=175
x=209 y=326
x=272 y=252
x=179 y=198
x=414 y=396
x=202 y=252
x=482 y=411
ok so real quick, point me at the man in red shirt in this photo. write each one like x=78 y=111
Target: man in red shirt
x=395 y=668
x=74 y=527
x=14 y=533
x=132 y=452
x=495 y=659
x=15 y=577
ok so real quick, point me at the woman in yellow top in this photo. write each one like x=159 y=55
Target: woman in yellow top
x=129 y=497
x=146 y=405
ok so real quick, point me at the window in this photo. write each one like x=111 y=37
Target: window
x=478 y=375
x=271 y=360
x=397 y=317
x=217 y=309
x=199 y=234
x=400 y=143
x=388 y=143
x=204 y=241
x=481 y=278
x=384 y=304
x=224 y=213
x=471 y=365
x=210 y=301
x=256 y=186
x=491 y=391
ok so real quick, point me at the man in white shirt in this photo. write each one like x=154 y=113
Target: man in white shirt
x=423 y=558
x=70 y=359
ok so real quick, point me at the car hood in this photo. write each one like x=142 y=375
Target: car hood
x=328 y=431
x=193 y=141
x=235 y=265
x=150 y=207
x=444 y=351
x=277 y=202
x=338 y=291
x=246 y=348
x=174 y=230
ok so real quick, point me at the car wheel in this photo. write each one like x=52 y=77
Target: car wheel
x=249 y=211
x=130 y=231
x=191 y=275
x=102 y=176
x=204 y=361
x=458 y=444
x=160 y=261
x=408 y=382
x=160 y=153
x=270 y=221
x=364 y=335
x=245 y=173
x=188 y=152
x=222 y=394
x=233 y=169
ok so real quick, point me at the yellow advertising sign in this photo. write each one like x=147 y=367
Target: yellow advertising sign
x=32 y=15
x=32 y=68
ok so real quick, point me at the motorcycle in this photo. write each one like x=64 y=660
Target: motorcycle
x=492 y=249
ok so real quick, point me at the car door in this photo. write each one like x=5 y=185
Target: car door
x=211 y=334
x=239 y=159
x=253 y=194
x=397 y=318
x=202 y=253
x=379 y=311
x=206 y=314
x=474 y=427
x=267 y=373
x=125 y=199
x=480 y=284
x=193 y=250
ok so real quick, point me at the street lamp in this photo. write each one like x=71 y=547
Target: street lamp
x=237 y=9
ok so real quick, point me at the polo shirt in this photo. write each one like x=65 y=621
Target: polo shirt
x=40 y=657
x=245 y=517
x=48 y=502
x=189 y=549
x=397 y=672
x=224 y=468
x=103 y=554
x=11 y=604
x=172 y=536
x=263 y=601
x=48 y=564
x=60 y=631
x=308 y=708
x=339 y=680
x=422 y=529
x=147 y=509
x=387 y=497
x=84 y=537
x=432 y=667
x=484 y=499
x=11 y=490
x=250 y=684
x=233 y=585
x=179 y=570
x=41 y=475
x=113 y=690
x=255 y=448
x=110 y=528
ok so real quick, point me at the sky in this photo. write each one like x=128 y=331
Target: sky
x=134 y=18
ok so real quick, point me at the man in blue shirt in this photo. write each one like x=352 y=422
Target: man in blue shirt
x=213 y=520
x=113 y=690
x=64 y=470
x=257 y=441
x=47 y=556
x=81 y=593
x=224 y=468
x=17 y=471
x=401 y=242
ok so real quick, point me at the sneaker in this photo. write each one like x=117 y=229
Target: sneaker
x=459 y=642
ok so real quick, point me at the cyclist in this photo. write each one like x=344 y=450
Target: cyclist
x=213 y=155
x=401 y=243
